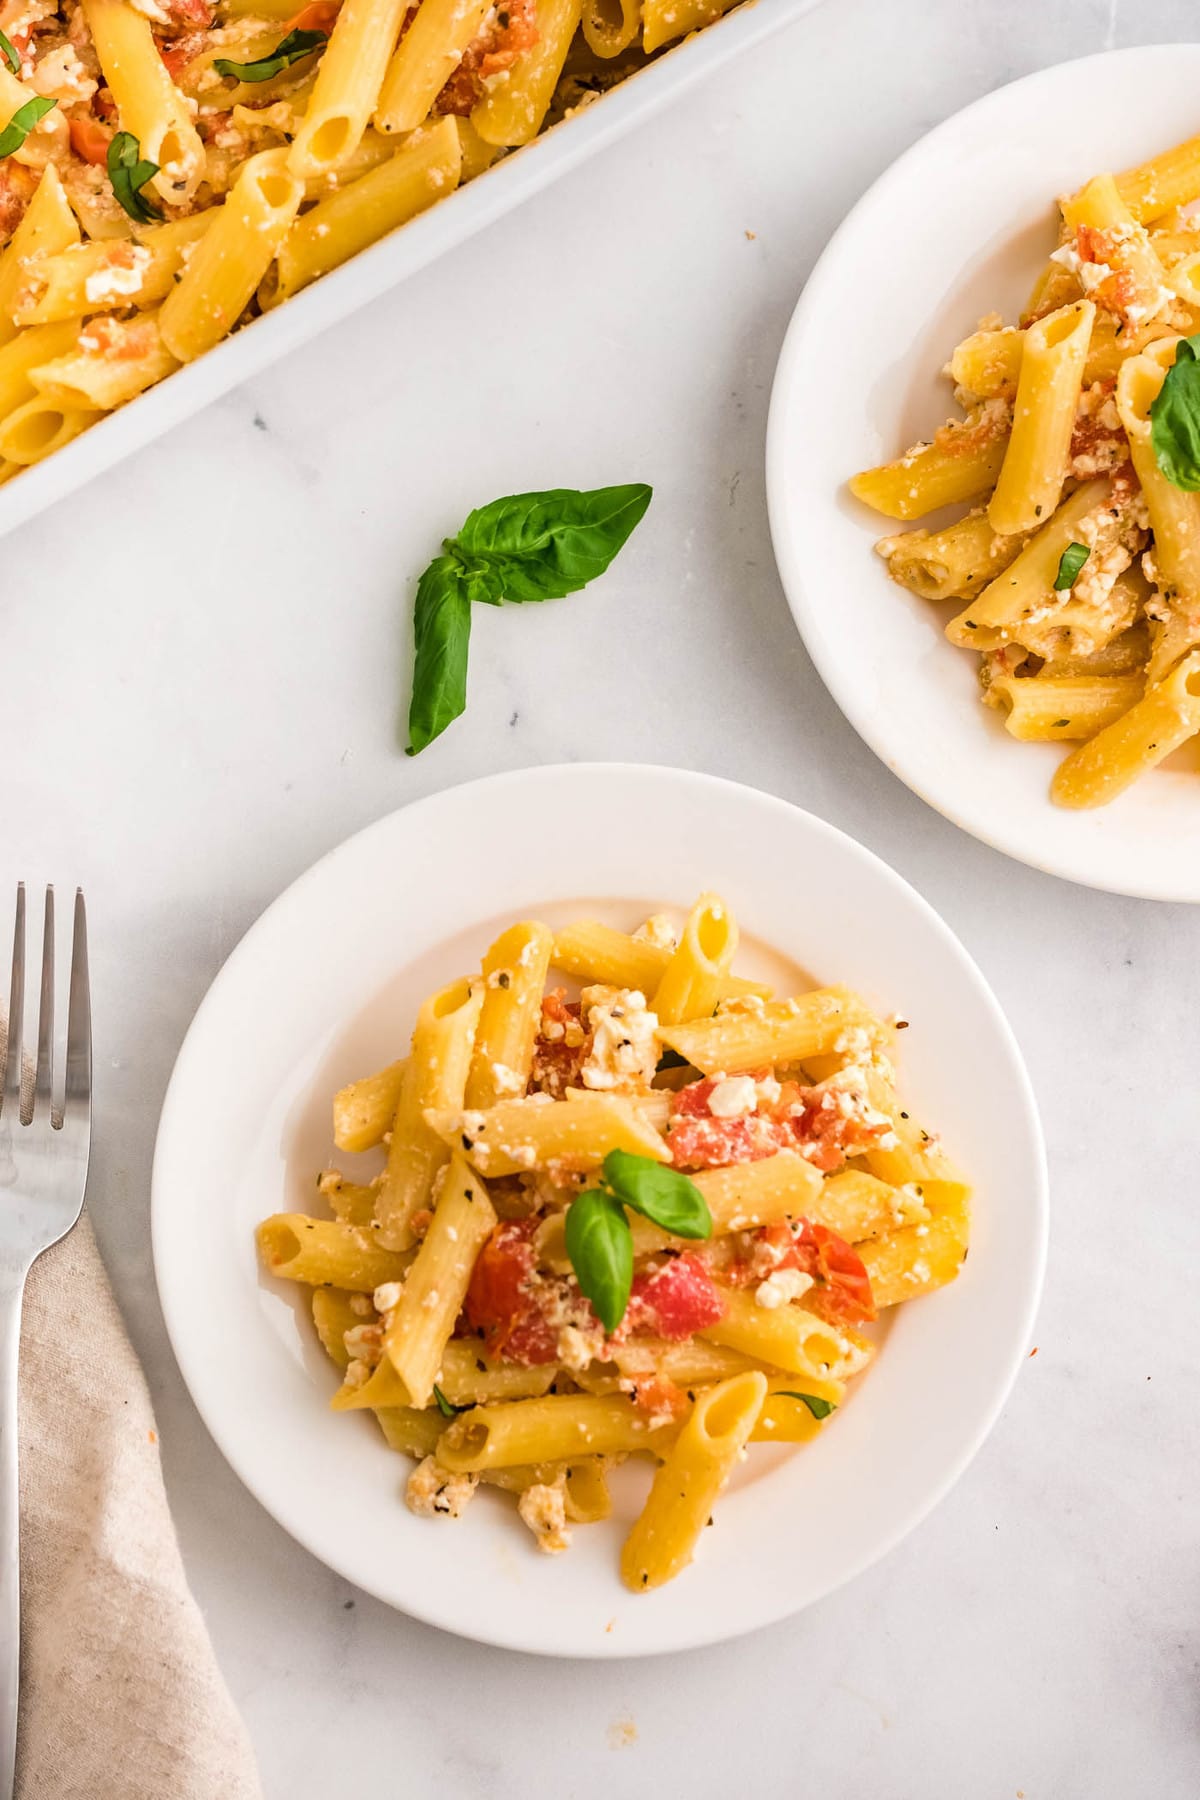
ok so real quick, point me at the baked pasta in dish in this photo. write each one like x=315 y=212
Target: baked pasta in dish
x=171 y=168
x=650 y=1221
x=1074 y=570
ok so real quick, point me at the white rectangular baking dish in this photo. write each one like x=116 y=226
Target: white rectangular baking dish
x=374 y=271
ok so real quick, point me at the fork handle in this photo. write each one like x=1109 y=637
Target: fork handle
x=12 y=1284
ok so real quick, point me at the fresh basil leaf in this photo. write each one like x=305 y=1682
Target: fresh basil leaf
x=1069 y=565
x=658 y=1193
x=446 y=1407
x=600 y=1246
x=546 y=545
x=23 y=122
x=820 y=1409
x=442 y=632
x=9 y=54
x=291 y=49
x=129 y=175
x=1175 y=419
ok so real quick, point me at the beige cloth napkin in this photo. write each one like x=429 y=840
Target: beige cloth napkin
x=121 y=1697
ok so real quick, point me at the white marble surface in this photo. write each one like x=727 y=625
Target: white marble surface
x=203 y=660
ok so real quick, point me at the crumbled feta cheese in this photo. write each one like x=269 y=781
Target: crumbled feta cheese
x=434 y=1491
x=388 y=1296
x=61 y=76
x=657 y=930
x=544 y=1510
x=624 y=1052
x=119 y=279
x=507 y=1080
x=361 y=1305
x=733 y=1097
x=783 y=1286
x=578 y=1347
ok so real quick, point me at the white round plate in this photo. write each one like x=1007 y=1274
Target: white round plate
x=958 y=227
x=324 y=988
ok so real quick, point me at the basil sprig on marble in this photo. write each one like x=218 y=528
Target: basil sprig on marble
x=23 y=122
x=522 y=548
x=599 y=1241
x=291 y=49
x=1069 y=565
x=1175 y=419
x=129 y=174
x=820 y=1409
x=8 y=52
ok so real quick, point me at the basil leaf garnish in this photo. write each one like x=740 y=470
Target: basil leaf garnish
x=1069 y=565
x=446 y=1407
x=600 y=1246
x=23 y=122
x=442 y=633
x=1175 y=419
x=547 y=545
x=658 y=1193
x=525 y=547
x=129 y=175
x=820 y=1409
x=9 y=54
x=291 y=49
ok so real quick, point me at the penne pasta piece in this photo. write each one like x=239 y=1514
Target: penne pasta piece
x=915 y=1260
x=553 y=1429
x=230 y=260
x=47 y=228
x=567 y=1137
x=961 y=465
x=29 y=349
x=363 y=1110
x=692 y=1476
x=513 y=111
x=1166 y=717
x=422 y=171
x=786 y=1337
x=435 y=1077
x=465 y=1376
x=326 y=1252
x=40 y=426
x=334 y=1315
x=1044 y=709
x=435 y=1287
x=148 y=103
x=347 y=87
x=109 y=272
x=952 y=564
x=595 y=953
x=113 y=361
x=1037 y=459
x=663 y=21
x=691 y=982
x=514 y=976
x=784 y=1031
x=349 y=1201
x=610 y=26
x=424 y=60
x=1026 y=587
x=1157 y=186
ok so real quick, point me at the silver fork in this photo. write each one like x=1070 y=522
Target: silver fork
x=44 y=1143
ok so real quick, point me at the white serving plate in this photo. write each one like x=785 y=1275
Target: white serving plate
x=387 y=263
x=959 y=226
x=324 y=988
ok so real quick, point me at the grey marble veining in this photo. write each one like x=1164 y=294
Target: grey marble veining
x=205 y=656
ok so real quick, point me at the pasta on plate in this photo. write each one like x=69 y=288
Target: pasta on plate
x=169 y=169
x=651 y=1221
x=1073 y=566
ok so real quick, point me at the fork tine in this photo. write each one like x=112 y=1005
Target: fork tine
x=43 y=1087
x=16 y=1004
x=79 y=1018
